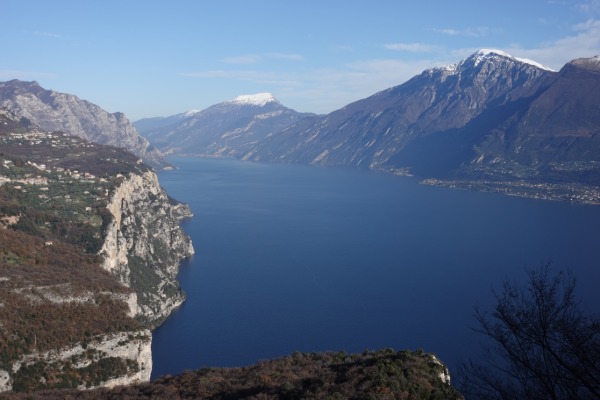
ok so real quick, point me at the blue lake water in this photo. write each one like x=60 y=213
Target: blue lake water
x=296 y=258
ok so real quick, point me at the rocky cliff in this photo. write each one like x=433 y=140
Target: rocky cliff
x=89 y=249
x=107 y=361
x=55 y=111
x=144 y=244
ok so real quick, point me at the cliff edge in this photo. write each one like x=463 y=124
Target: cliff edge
x=89 y=250
x=144 y=244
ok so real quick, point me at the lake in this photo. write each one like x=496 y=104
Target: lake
x=298 y=258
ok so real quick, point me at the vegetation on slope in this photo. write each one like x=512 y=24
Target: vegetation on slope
x=53 y=292
x=384 y=374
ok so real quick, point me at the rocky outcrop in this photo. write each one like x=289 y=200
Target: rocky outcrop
x=64 y=320
x=6 y=381
x=116 y=359
x=144 y=245
x=55 y=111
x=142 y=248
x=444 y=373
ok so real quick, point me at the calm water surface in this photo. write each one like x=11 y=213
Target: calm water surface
x=296 y=258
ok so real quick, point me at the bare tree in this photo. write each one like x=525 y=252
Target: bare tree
x=543 y=344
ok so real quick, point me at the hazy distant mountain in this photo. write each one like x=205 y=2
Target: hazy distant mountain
x=372 y=131
x=54 y=111
x=225 y=129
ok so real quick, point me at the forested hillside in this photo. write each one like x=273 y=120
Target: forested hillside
x=384 y=374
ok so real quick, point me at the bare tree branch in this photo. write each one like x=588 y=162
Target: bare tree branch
x=544 y=345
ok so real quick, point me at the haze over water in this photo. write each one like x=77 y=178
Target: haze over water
x=296 y=258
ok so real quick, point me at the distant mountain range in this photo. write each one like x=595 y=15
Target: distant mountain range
x=490 y=122
x=225 y=129
x=54 y=111
x=429 y=125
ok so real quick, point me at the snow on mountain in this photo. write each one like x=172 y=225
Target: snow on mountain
x=374 y=131
x=225 y=129
x=189 y=113
x=487 y=53
x=592 y=62
x=259 y=99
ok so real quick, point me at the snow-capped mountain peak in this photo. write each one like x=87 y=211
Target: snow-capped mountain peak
x=484 y=54
x=259 y=99
x=487 y=52
x=183 y=115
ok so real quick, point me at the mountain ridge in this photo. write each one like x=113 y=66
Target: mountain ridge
x=369 y=131
x=472 y=123
x=56 y=111
x=491 y=121
x=258 y=99
x=227 y=129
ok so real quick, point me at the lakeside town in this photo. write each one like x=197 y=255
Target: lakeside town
x=62 y=173
x=571 y=192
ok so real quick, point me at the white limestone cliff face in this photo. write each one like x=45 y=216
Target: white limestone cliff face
x=132 y=349
x=144 y=245
x=6 y=381
x=444 y=375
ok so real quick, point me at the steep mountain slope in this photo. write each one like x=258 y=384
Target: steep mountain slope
x=224 y=129
x=562 y=124
x=369 y=132
x=534 y=137
x=54 y=111
x=89 y=249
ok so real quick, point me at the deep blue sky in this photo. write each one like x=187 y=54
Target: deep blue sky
x=157 y=58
